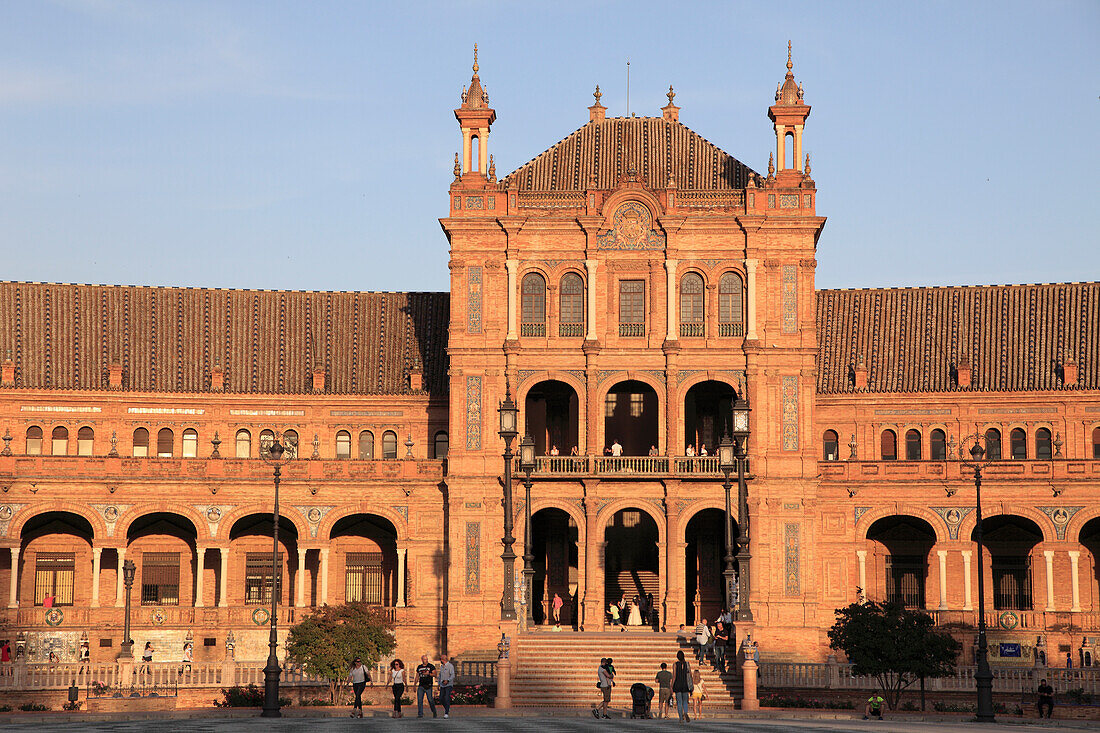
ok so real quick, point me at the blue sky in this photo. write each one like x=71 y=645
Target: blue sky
x=310 y=145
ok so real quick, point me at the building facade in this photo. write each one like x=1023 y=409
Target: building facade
x=624 y=287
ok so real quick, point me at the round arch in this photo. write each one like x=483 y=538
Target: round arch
x=534 y=378
x=685 y=515
x=295 y=518
x=612 y=203
x=571 y=509
x=324 y=528
x=198 y=523
x=1078 y=521
x=609 y=510
x=99 y=529
x=1042 y=521
x=648 y=431
x=552 y=415
x=939 y=527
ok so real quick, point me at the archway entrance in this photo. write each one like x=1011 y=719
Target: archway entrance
x=162 y=545
x=551 y=412
x=1010 y=540
x=364 y=566
x=1089 y=538
x=630 y=417
x=250 y=548
x=56 y=557
x=707 y=407
x=901 y=559
x=554 y=537
x=704 y=563
x=631 y=559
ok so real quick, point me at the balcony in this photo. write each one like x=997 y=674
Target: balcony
x=731 y=329
x=571 y=329
x=632 y=330
x=111 y=617
x=532 y=329
x=1002 y=470
x=693 y=330
x=627 y=466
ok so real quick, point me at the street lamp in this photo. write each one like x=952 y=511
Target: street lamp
x=527 y=465
x=509 y=416
x=276 y=456
x=126 y=651
x=726 y=460
x=741 y=412
x=983 y=676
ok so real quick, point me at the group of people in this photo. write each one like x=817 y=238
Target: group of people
x=637 y=612
x=682 y=687
x=711 y=641
x=424 y=676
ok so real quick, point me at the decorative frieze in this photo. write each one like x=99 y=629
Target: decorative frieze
x=473 y=558
x=790 y=412
x=790 y=299
x=792 y=585
x=473 y=412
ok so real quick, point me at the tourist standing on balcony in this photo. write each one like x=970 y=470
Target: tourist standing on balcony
x=690 y=451
x=681 y=686
x=358 y=679
x=703 y=449
x=425 y=674
x=616 y=449
x=554 y=450
x=652 y=451
x=446 y=683
x=397 y=679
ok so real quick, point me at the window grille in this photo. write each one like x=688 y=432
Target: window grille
x=691 y=305
x=1011 y=582
x=160 y=578
x=533 y=305
x=363 y=577
x=54 y=575
x=258 y=578
x=572 y=305
x=632 y=308
x=366 y=445
x=905 y=576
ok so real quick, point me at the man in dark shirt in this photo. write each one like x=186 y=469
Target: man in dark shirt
x=1046 y=697
x=721 y=641
x=425 y=673
x=664 y=691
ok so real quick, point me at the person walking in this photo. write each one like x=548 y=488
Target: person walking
x=446 y=683
x=1046 y=698
x=425 y=675
x=397 y=680
x=555 y=608
x=702 y=639
x=698 y=692
x=358 y=679
x=613 y=610
x=188 y=658
x=721 y=641
x=681 y=686
x=664 y=690
x=606 y=677
x=146 y=658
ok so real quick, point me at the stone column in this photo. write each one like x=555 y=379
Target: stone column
x=483 y=151
x=120 y=585
x=749 y=700
x=324 y=576
x=968 y=601
x=942 y=554
x=402 y=556
x=750 y=300
x=593 y=613
x=862 y=555
x=796 y=164
x=1048 y=555
x=511 y=266
x=223 y=601
x=300 y=595
x=673 y=325
x=13 y=589
x=96 y=553
x=1074 y=557
x=591 y=265
x=200 y=560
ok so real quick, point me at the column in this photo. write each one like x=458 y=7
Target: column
x=942 y=554
x=750 y=301
x=1074 y=557
x=591 y=265
x=13 y=589
x=120 y=586
x=96 y=552
x=223 y=600
x=324 y=576
x=200 y=560
x=593 y=613
x=968 y=601
x=483 y=151
x=300 y=595
x=402 y=558
x=467 y=144
x=862 y=555
x=673 y=325
x=510 y=266
x=796 y=164
x=1048 y=555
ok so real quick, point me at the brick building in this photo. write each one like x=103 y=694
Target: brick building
x=625 y=286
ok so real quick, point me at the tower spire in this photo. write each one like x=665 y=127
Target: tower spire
x=789 y=115
x=475 y=117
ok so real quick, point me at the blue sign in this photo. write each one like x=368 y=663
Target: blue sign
x=1010 y=649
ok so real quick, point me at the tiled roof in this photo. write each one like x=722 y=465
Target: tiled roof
x=653 y=146
x=1014 y=337
x=170 y=339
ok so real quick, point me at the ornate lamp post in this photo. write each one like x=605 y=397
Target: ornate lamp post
x=276 y=456
x=983 y=676
x=741 y=412
x=726 y=460
x=509 y=416
x=527 y=465
x=126 y=651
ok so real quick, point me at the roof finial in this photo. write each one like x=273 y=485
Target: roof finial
x=789 y=64
x=458 y=168
x=807 y=166
x=597 y=94
x=771 y=164
x=475 y=59
x=671 y=94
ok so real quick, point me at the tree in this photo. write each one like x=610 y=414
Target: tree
x=327 y=641
x=893 y=644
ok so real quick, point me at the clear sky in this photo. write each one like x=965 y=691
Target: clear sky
x=309 y=145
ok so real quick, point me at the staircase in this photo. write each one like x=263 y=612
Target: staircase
x=559 y=669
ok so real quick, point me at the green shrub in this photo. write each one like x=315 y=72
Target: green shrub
x=246 y=697
x=779 y=701
x=5 y=708
x=72 y=706
x=470 y=695
x=32 y=707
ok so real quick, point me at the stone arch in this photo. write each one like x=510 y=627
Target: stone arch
x=685 y=515
x=1078 y=521
x=575 y=513
x=991 y=509
x=710 y=375
x=94 y=518
x=612 y=203
x=607 y=511
x=533 y=378
x=286 y=512
x=201 y=524
x=939 y=526
x=324 y=528
x=618 y=378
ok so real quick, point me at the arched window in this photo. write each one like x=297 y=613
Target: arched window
x=85 y=437
x=1095 y=443
x=366 y=445
x=1018 y=442
x=830 y=444
x=442 y=444
x=993 y=444
x=1042 y=445
x=60 y=441
x=938 y=445
x=190 y=443
x=912 y=445
x=244 y=444
x=267 y=439
x=731 y=320
x=572 y=305
x=165 y=441
x=141 y=443
x=290 y=443
x=533 y=305
x=389 y=444
x=34 y=440
x=889 y=445
x=343 y=445
x=691 y=305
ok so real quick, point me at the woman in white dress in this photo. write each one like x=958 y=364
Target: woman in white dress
x=635 y=617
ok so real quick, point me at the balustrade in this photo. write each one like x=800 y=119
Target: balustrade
x=626 y=465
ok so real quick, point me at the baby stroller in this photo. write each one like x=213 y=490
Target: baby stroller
x=641 y=695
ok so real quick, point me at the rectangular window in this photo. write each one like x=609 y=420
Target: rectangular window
x=632 y=308
x=905 y=580
x=160 y=578
x=54 y=576
x=363 y=577
x=1011 y=582
x=258 y=578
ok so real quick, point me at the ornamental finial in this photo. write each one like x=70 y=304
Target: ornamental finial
x=458 y=167
x=807 y=164
x=597 y=94
x=475 y=59
x=771 y=164
x=789 y=64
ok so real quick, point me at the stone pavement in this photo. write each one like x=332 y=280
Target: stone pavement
x=521 y=723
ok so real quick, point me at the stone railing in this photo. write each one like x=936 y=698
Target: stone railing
x=110 y=616
x=1038 y=620
x=693 y=466
x=1006 y=469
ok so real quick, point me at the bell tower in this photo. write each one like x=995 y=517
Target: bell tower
x=475 y=117
x=789 y=115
